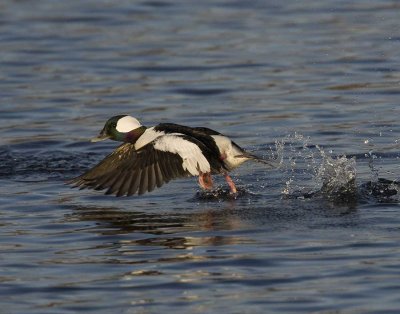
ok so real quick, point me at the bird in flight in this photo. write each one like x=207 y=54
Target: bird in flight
x=152 y=156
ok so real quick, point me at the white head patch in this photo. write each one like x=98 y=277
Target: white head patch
x=127 y=124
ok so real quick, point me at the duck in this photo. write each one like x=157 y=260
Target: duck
x=150 y=157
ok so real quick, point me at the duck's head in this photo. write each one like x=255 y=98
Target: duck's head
x=122 y=128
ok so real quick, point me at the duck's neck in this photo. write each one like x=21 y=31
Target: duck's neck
x=132 y=136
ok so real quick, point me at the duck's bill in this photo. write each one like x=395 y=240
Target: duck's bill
x=99 y=138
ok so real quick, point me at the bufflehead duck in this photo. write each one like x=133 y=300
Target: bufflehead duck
x=150 y=157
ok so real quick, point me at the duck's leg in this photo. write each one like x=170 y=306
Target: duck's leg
x=230 y=183
x=205 y=181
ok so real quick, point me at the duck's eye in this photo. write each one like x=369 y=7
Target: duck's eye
x=114 y=125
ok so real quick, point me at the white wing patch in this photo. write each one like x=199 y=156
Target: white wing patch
x=193 y=159
x=148 y=136
x=127 y=124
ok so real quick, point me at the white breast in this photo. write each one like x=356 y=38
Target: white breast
x=229 y=152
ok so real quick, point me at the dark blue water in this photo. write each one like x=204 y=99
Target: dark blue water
x=304 y=81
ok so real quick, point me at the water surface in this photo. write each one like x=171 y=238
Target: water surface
x=306 y=82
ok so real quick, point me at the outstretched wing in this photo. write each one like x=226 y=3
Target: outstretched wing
x=127 y=172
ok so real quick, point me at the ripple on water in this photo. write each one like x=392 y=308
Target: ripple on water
x=290 y=241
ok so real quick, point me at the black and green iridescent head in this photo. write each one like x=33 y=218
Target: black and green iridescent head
x=122 y=128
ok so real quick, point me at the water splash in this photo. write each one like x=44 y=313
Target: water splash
x=374 y=171
x=338 y=177
x=309 y=169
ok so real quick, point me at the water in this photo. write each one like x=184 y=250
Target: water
x=315 y=84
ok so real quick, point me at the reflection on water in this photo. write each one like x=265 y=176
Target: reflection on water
x=314 y=84
x=111 y=221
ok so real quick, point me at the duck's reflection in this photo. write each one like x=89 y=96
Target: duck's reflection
x=176 y=247
x=172 y=230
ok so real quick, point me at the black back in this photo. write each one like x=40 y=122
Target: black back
x=199 y=134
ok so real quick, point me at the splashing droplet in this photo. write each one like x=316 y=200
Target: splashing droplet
x=310 y=169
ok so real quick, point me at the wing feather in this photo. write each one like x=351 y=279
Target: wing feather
x=135 y=182
x=127 y=171
x=152 y=178
x=159 y=176
x=116 y=186
x=143 y=181
x=126 y=184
